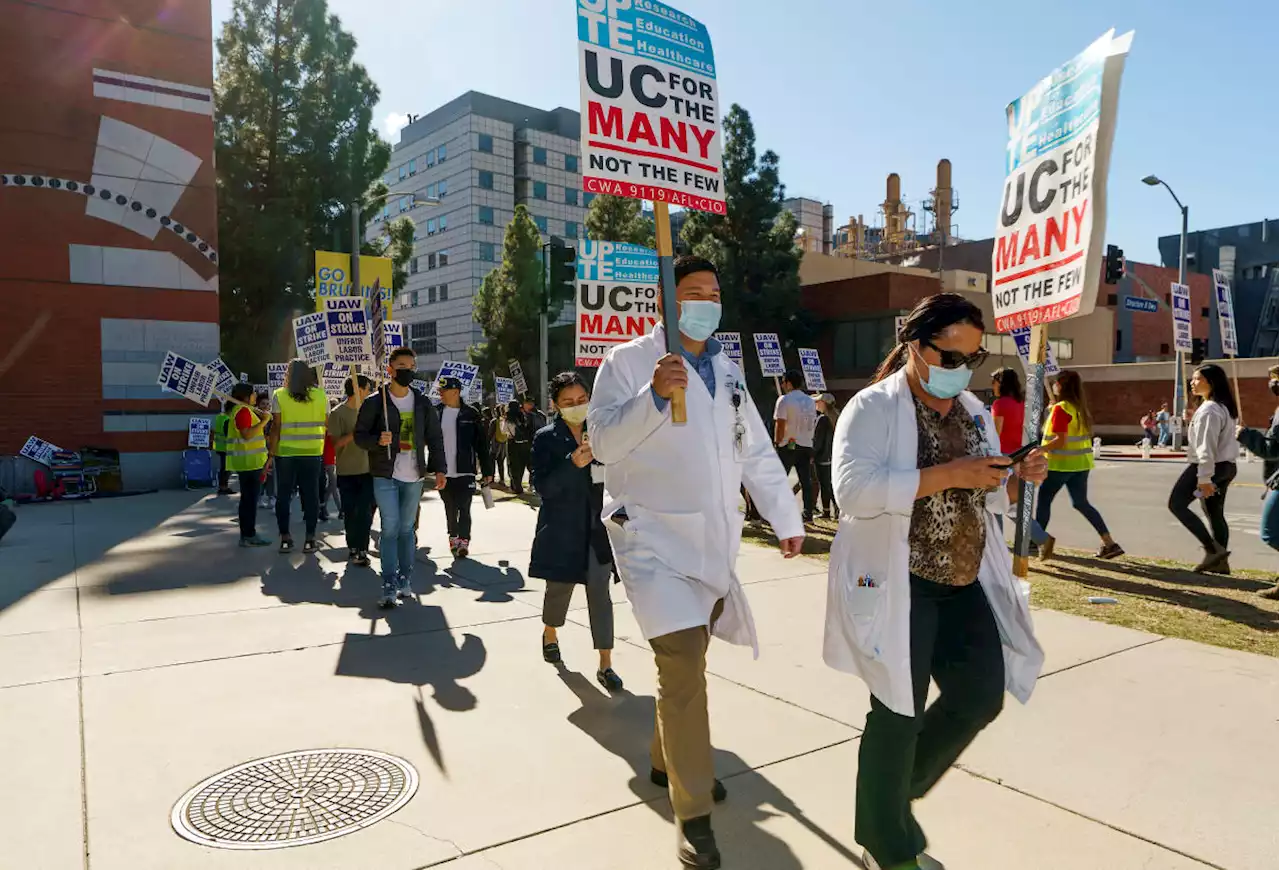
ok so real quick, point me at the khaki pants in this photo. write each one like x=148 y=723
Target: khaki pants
x=682 y=730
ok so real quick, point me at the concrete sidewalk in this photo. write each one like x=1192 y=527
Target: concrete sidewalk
x=142 y=652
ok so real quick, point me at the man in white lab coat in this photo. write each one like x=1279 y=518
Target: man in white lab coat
x=671 y=505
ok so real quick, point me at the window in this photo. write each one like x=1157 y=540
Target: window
x=1111 y=300
x=389 y=179
x=431 y=191
x=403 y=173
x=422 y=337
x=486 y=179
x=431 y=261
x=386 y=212
x=1119 y=339
x=486 y=252
x=485 y=144
x=570 y=163
x=409 y=298
x=444 y=292
x=1063 y=348
x=406 y=203
x=540 y=156
x=539 y=190
x=413 y=266
x=444 y=222
x=1164 y=349
x=431 y=157
x=431 y=295
x=570 y=196
x=444 y=258
x=431 y=227
x=413 y=167
x=571 y=229
x=444 y=186
x=540 y=222
x=861 y=344
x=442 y=152
x=486 y=215
x=1204 y=312
x=587 y=197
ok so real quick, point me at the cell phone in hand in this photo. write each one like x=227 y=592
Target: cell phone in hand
x=1022 y=452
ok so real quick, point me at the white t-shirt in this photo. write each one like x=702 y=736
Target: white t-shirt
x=449 y=423
x=801 y=414
x=406 y=467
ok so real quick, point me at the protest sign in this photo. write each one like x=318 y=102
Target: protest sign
x=198 y=429
x=311 y=335
x=505 y=388
x=650 y=109
x=517 y=374
x=811 y=365
x=333 y=277
x=1180 y=299
x=617 y=297
x=769 y=350
x=1022 y=339
x=244 y=377
x=393 y=335
x=465 y=372
x=38 y=449
x=898 y=322
x=260 y=390
x=181 y=375
x=731 y=344
x=275 y=375
x=421 y=387
x=333 y=378
x=348 y=325
x=475 y=392
x=1052 y=224
x=1226 y=313
x=224 y=379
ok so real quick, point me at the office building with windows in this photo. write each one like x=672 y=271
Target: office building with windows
x=480 y=156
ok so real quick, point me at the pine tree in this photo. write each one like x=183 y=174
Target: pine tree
x=294 y=146
x=753 y=246
x=509 y=302
x=618 y=219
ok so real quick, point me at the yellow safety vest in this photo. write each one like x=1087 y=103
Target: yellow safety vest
x=1077 y=453
x=301 y=423
x=245 y=454
x=220 y=433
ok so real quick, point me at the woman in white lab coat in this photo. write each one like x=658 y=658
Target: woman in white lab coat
x=920 y=583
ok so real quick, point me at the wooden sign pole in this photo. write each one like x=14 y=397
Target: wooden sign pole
x=1031 y=432
x=666 y=269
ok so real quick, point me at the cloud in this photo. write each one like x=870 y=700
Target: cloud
x=393 y=123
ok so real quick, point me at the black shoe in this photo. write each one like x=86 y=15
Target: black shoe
x=551 y=653
x=697 y=844
x=659 y=778
x=610 y=680
x=324 y=517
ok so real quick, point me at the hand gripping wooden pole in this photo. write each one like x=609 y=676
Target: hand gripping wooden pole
x=666 y=269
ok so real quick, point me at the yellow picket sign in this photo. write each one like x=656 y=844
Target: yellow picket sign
x=333 y=277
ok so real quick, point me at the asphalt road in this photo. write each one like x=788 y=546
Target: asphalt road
x=1133 y=495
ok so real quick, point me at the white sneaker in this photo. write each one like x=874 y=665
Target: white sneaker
x=928 y=862
x=868 y=862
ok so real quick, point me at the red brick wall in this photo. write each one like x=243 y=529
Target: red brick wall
x=1122 y=403
x=49 y=119
x=1153 y=333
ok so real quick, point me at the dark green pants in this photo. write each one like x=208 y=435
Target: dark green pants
x=954 y=639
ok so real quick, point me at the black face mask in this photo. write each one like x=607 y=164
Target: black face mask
x=404 y=377
x=1274 y=386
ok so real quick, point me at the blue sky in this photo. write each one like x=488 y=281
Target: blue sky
x=846 y=91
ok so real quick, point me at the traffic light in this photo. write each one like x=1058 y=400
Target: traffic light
x=562 y=274
x=1114 y=265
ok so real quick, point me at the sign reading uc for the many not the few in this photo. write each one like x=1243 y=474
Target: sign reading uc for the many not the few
x=617 y=297
x=650 y=109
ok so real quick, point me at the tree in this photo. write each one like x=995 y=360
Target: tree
x=753 y=246
x=294 y=146
x=509 y=302
x=618 y=219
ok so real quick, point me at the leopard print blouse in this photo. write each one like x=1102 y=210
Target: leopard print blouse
x=948 y=528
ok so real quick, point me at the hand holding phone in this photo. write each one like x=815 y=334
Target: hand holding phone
x=1022 y=452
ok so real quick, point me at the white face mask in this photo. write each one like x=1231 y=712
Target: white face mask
x=575 y=415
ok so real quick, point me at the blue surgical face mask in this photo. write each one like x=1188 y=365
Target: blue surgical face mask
x=699 y=318
x=945 y=383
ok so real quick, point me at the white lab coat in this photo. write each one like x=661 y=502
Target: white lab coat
x=679 y=486
x=874 y=474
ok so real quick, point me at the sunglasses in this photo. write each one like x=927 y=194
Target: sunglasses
x=954 y=359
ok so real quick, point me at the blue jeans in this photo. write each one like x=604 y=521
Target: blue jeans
x=398 y=507
x=1270 y=517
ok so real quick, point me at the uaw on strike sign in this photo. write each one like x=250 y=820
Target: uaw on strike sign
x=617 y=297
x=650 y=111
x=1049 y=239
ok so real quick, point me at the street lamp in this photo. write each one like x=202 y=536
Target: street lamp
x=1178 y=399
x=356 y=210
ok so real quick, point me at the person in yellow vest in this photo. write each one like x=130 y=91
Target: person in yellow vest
x=246 y=455
x=1068 y=439
x=299 y=409
x=220 y=426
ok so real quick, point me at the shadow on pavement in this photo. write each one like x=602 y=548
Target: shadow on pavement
x=1162 y=574
x=622 y=723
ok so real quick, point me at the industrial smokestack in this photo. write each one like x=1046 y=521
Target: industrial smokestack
x=893 y=189
x=942 y=201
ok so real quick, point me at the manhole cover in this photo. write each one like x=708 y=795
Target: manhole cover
x=294 y=799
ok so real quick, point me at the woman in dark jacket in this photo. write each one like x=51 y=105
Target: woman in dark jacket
x=823 y=434
x=1266 y=447
x=570 y=546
